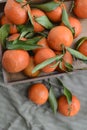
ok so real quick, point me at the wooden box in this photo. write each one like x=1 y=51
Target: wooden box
x=21 y=78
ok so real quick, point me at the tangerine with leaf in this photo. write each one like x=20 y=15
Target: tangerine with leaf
x=67 y=109
x=76 y=25
x=36 y=13
x=56 y=14
x=13 y=28
x=17 y=12
x=58 y=36
x=82 y=46
x=43 y=42
x=42 y=55
x=66 y=62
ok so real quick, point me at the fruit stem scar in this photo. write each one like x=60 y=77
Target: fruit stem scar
x=69 y=109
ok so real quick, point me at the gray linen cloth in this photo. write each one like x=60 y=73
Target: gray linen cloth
x=19 y=113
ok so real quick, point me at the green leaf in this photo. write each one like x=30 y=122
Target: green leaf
x=29 y=35
x=60 y=66
x=76 y=54
x=52 y=100
x=19 y=1
x=44 y=21
x=68 y=66
x=19 y=44
x=44 y=33
x=48 y=6
x=66 y=91
x=4 y=32
x=66 y=22
x=27 y=27
x=60 y=82
x=79 y=42
x=68 y=95
x=30 y=17
x=46 y=62
x=56 y=64
x=33 y=40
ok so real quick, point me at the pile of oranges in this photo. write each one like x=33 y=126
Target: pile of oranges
x=55 y=36
x=55 y=31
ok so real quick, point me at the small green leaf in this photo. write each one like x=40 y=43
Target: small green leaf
x=24 y=33
x=4 y=32
x=33 y=40
x=52 y=100
x=56 y=64
x=68 y=66
x=23 y=28
x=19 y=1
x=76 y=54
x=19 y=44
x=66 y=91
x=29 y=35
x=60 y=82
x=44 y=21
x=60 y=66
x=68 y=95
x=46 y=62
x=48 y=6
x=79 y=42
x=44 y=33
x=30 y=17
x=66 y=22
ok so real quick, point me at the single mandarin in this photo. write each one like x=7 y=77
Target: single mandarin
x=14 y=61
x=68 y=109
x=38 y=93
x=42 y=55
x=58 y=36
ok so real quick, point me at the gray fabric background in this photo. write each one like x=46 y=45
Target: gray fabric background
x=18 y=113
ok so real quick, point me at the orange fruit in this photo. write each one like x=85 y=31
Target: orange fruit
x=80 y=8
x=13 y=37
x=43 y=42
x=67 y=58
x=13 y=28
x=16 y=12
x=38 y=93
x=56 y=14
x=83 y=48
x=15 y=60
x=75 y=23
x=42 y=55
x=58 y=36
x=4 y=20
x=68 y=109
x=28 y=70
x=36 y=13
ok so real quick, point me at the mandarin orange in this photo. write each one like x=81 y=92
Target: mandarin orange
x=38 y=93
x=58 y=36
x=68 y=109
x=14 y=61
